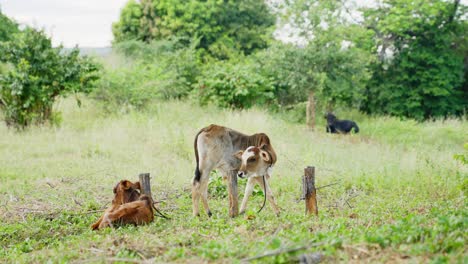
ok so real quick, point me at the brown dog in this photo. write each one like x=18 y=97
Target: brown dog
x=126 y=192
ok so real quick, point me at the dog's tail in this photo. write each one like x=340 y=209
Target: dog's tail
x=356 y=128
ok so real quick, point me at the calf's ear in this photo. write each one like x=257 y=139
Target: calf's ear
x=117 y=186
x=265 y=156
x=127 y=184
x=137 y=185
x=238 y=154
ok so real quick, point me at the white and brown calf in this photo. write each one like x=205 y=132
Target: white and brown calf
x=233 y=154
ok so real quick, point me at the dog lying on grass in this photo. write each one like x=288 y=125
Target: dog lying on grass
x=128 y=207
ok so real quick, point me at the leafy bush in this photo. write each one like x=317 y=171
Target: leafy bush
x=124 y=89
x=234 y=85
x=38 y=75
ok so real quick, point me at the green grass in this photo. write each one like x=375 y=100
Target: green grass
x=400 y=197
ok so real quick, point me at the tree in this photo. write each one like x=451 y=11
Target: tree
x=422 y=50
x=224 y=28
x=329 y=65
x=7 y=27
x=39 y=74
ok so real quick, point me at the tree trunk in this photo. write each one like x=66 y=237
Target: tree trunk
x=310 y=112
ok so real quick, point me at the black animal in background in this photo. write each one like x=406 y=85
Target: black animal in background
x=334 y=125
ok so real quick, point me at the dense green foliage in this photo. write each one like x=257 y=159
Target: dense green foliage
x=235 y=85
x=39 y=74
x=225 y=28
x=424 y=75
x=404 y=58
x=7 y=27
x=335 y=75
x=414 y=50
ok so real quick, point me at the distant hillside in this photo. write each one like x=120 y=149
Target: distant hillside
x=96 y=51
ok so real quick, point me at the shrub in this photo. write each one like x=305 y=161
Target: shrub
x=234 y=85
x=158 y=70
x=38 y=75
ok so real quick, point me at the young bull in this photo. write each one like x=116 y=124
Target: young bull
x=232 y=153
x=334 y=125
x=124 y=192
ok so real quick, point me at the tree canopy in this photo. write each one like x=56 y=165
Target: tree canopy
x=416 y=53
x=8 y=27
x=224 y=28
x=422 y=52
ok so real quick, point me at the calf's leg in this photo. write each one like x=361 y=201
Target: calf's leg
x=248 y=191
x=200 y=188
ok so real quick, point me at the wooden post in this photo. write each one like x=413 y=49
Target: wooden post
x=233 y=195
x=310 y=111
x=145 y=184
x=309 y=192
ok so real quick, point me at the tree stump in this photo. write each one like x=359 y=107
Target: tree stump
x=145 y=184
x=233 y=194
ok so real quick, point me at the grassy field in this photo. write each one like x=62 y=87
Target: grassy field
x=400 y=195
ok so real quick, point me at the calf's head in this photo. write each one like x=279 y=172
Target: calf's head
x=255 y=161
x=126 y=191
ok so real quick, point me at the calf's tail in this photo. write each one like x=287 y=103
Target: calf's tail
x=197 y=169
